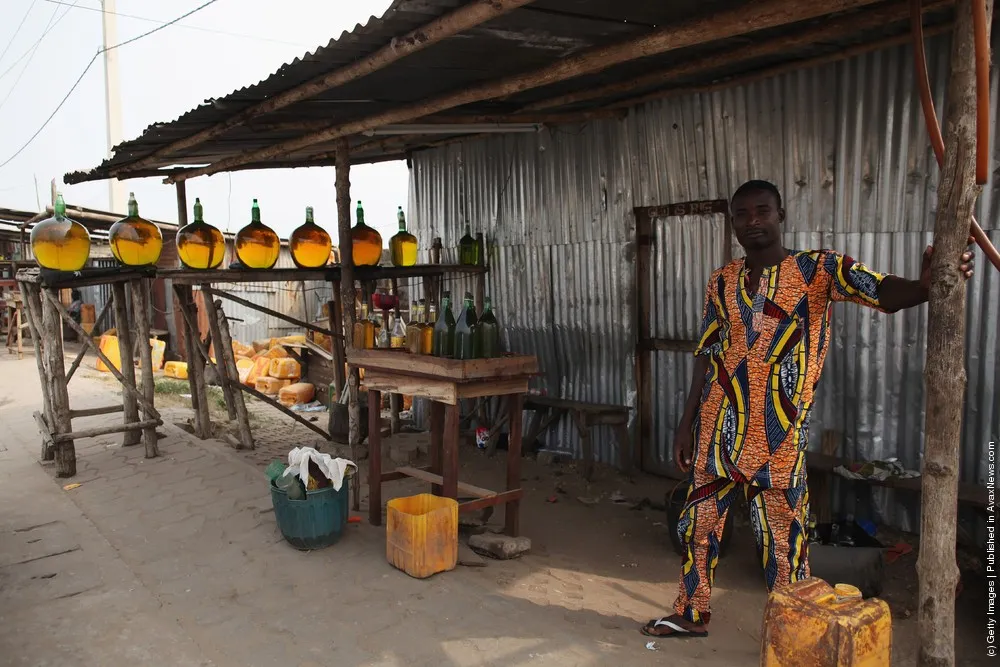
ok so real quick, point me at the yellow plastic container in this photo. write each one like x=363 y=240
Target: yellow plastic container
x=300 y=392
x=421 y=536
x=832 y=625
x=109 y=346
x=271 y=386
x=258 y=370
x=294 y=339
x=158 y=349
x=287 y=368
x=176 y=369
x=244 y=363
x=276 y=352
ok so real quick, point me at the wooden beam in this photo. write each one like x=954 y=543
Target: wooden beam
x=143 y=313
x=760 y=15
x=32 y=308
x=105 y=430
x=826 y=32
x=93 y=412
x=465 y=17
x=230 y=376
x=294 y=415
x=83 y=351
x=124 y=335
x=213 y=292
x=55 y=378
x=944 y=373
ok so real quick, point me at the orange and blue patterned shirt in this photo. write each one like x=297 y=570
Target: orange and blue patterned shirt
x=766 y=349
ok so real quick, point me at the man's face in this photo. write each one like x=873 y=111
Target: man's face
x=757 y=219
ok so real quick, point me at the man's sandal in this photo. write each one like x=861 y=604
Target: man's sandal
x=674 y=626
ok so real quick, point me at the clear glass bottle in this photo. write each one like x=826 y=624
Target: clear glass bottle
x=466 y=343
x=468 y=250
x=403 y=246
x=444 y=330
x=488 y=332
x=397 y=337
x=427 y=331
x=415 y=328
x=309 y=244
x=257 y=245
x=60 y=243
x=199 y=244
x=366 y=243
x=135 y=241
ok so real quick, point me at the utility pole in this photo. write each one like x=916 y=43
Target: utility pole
x=112 y=99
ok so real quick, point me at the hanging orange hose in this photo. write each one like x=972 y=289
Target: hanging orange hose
x=982 y=91
x=930 y=114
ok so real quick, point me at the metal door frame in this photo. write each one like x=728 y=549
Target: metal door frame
x=645 y=342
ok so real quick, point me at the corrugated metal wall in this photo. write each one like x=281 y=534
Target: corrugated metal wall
x=847 y=146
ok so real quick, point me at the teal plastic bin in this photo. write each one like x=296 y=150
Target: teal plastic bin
x=313 y=523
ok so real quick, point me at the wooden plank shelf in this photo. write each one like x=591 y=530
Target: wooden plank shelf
x=184 y=276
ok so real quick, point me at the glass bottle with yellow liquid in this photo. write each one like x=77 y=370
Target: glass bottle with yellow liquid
x=427 y=330
x=59 y=243
x=364 y=330
x=310 y=244
x=199 y=244
x=403 y=246
x=397 y=337
x=415 y=328
x=135 y=241
x=366 y=243
x=257 y=245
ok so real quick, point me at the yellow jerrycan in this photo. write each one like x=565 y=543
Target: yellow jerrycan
x=812 y=624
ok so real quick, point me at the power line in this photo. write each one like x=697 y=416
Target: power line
x=99 y=53
x=17 y=31
x=189 y=27
x=34 y=50
x=34 y=46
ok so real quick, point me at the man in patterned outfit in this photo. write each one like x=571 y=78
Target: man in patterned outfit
x=764 y=338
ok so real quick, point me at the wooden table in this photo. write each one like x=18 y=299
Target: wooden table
x=445 y=382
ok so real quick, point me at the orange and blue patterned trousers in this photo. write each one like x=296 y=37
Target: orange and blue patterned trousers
x=778 y=518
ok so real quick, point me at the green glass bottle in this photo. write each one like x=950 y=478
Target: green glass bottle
x=60 y=243
x=257 y=246
x=199 y=244
x=444 y=330
x=403 y=246
x=468 y=249
x=466 y=345
x=133 y=240
x=488 y=332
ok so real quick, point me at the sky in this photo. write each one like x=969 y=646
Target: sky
x=219 y=49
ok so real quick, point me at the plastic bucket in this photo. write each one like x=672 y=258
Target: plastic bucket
x=313 y=523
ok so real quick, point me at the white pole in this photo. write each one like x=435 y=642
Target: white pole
x=112 y=98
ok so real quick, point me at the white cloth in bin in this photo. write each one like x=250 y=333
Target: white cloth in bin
x=334 y=469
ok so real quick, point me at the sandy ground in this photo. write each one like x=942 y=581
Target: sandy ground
x=177 y=560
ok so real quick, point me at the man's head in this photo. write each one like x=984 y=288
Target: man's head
x=757 y=215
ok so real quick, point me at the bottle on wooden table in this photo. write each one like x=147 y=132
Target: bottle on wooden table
x=403 y=246
x=415 y=328
x=199 y=244
x=397 y=336
x=364 y=330
x=366 y=243
x=257 y=245
x=444 y=330
x=466 y=345
x=310 y=244
x=427 y=331
x=468 y=249
x=488 y=332
x=135 y=241
x=60 y=243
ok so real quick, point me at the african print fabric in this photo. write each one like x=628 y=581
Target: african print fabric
x=777 y=517
x=766 y=347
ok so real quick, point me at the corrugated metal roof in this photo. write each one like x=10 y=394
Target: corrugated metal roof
x=523 y=40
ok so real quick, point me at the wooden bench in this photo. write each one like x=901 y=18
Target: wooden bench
x=547 y=411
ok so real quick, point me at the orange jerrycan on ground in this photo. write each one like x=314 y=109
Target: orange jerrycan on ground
x=813 y=624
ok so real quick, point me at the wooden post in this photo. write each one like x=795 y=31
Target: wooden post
x=343 y=183
x=449 y=456
x=123 y=325
x=512 y=510
x=374 y=460
x=61 y=422
x=196 y=367
x=944 y=375
x=220 y=365
x=336 y=324
x=141 y=310
x=33 y=307
x=437 y=441
x=229 y=376
x=395 y=400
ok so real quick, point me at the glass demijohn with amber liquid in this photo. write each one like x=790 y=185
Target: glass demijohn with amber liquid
x=257 y=245
x=59 y=243
x=199 y=244
x=135 y=241
x=403 y=246
x=366 y=243
x=310 y=244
